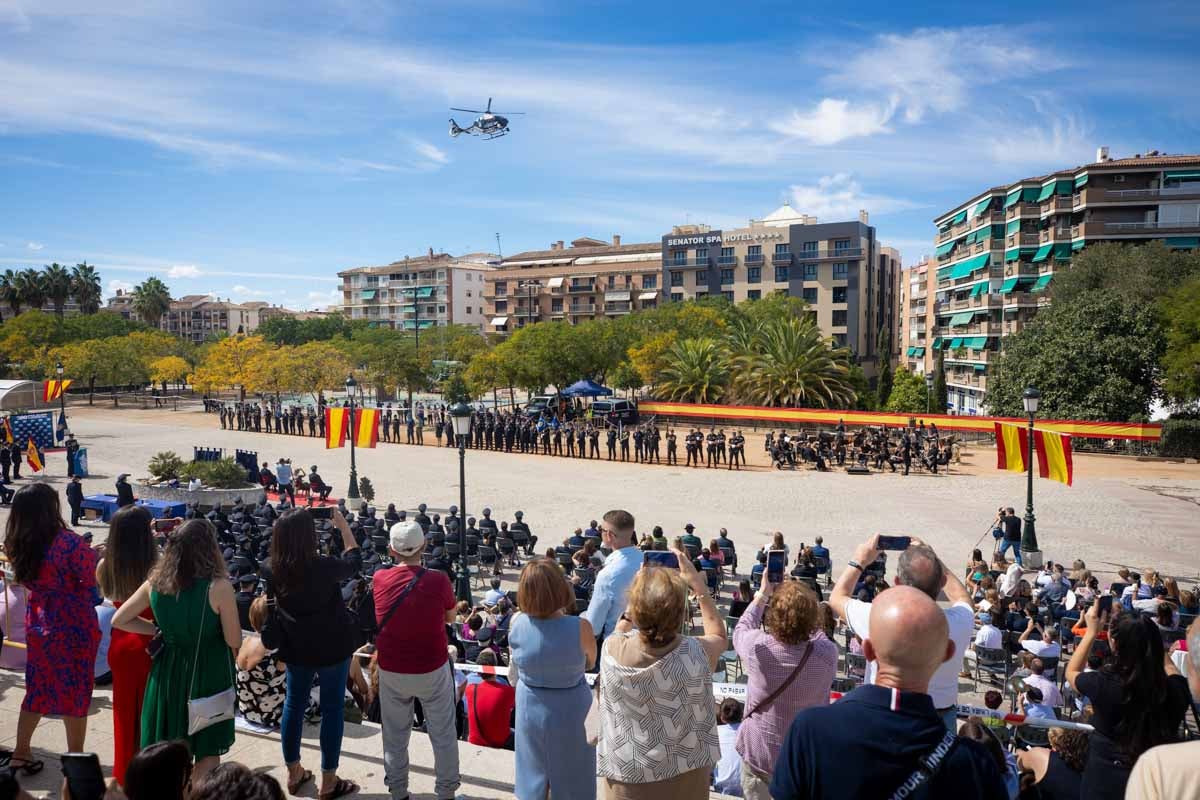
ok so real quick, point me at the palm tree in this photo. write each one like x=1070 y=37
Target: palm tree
x=151 y=299
x=9 y=293
x=32 y=286
x=85 y=285
x=792 y=365
x=57 y=282
x=696 y=371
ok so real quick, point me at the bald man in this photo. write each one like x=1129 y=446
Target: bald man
x=889 y=731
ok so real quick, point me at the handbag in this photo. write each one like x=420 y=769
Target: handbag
x=592 y=722
x=204 y=712
x=783 y=686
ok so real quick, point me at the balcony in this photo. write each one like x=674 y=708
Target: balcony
x=754 y=259
x=589 y=308
x=968 y=379
x=1022 y=240
x=972 y=356
x=1138 y=227
x=781 y=259
x=581 y=288
x=683 y=263
x=1056 y=205
x=1016 y=269
x=1021 y=209
x=1054 y=235
x=727 y=261
x=839 y=254
x=1118 y=195
x=1018 y=299
x=618 y=307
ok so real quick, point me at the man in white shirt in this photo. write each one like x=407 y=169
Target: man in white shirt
x=1045 y=647
x=920 y=568
x=1051 y=696
x=988 y=636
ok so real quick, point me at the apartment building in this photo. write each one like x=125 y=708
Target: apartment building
x=917 y=320
x=420 y=292
x=839 y=268
x=590 y=279
x=197 y=316
x=997 y=253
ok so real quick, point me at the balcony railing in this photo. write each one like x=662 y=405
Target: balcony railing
x=1132 y=227
x=618 y=307
x=780 y=259
x=582 y=288
x=1054 y=235
x=686 y=262
x=1020 y=209
x=754 y=259
x=1023 y=240
x=590 y=308
x=727 y=261
x=1187 y=190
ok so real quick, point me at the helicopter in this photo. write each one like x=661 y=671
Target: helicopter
x=488 y=124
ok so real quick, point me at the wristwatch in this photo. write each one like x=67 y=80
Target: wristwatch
x=855 y=564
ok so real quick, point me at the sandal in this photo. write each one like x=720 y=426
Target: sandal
x=340 y=789
x=305 y=777
x=27 y=766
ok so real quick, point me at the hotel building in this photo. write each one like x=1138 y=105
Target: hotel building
x=435 y=289
x=997 y=254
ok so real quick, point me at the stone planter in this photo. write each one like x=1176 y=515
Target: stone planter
x=206 y=498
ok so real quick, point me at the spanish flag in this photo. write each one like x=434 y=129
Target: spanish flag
x=33 y=456
x=366 y=427
x=8 y=437
x=1012 y=443
x=52 y=390
x=335 y=427
x=1054 y=456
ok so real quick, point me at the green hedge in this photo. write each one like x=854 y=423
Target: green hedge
x=223 y=474
x=1181 y=437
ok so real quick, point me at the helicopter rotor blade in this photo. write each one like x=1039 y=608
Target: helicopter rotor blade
x=469 y=110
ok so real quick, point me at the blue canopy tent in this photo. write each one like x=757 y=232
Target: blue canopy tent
x=586 y=388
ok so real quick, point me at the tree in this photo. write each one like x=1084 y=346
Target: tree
x=320 y=366
x=85 y=286
x=649 y=357
x=941 y=395
x=10 y=292
x=793 y=365
x=28 y=335
x=98 y=325
x=1093 y=357
x=695 y=371
x=120 y=364
x=909 y=394
x=31 y=286
x=169 y=369
x=627 y=377
x=82 y=361
x=1181 y=363
x=484 y=375
x=226 y=363
x=273 y=371
x=1138 y=274
x=151 y=300
x=454 y=389
x=865 y=398
x=883 y=387
x=57 y=282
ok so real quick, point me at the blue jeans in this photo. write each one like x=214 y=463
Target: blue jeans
x=1015 y=545
x=333 y=691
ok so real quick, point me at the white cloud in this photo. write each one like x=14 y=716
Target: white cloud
x=839 y=197
x=431 y=154
x=832 y=121
x=184 y=271
x=328 y=299
x=116 y=284
x=1060 y=140
x=245 y=291
x=34 y=246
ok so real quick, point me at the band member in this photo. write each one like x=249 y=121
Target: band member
x=672 y=458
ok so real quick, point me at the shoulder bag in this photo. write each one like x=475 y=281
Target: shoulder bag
x=783 y=686
x=928 y=766
x=400 y=598
x=204 y=712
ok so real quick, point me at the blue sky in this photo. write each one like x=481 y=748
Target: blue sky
x=254 y=149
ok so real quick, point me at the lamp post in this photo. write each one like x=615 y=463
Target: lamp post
x=62 y=397
x=460 y=418
x=1029 y=542
x=352 y=492
x=929 y=392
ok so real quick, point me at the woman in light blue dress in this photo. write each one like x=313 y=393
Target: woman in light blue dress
x=551 y=651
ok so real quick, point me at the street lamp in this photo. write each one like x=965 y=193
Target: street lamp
x=352 y=493
x=929 y=392
x=1029 y=542
x=460 y=418
x=62 y=397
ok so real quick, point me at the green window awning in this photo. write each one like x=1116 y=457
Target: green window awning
x=1013 y=198
x=1184 y=242
x=979 y=312
x=1012 y=254
x=956 y=343
x=958 y=320
x=368 y=294
x=1077 y=245
x=959 y=218
x=1062 y=251
x=937 y=343
x=1012 y=227
x=979 y=288
x=1046 y=193
x=945 y=248
x=1042 y=253
x=998 y=231
x=980 y=367
x=943 y=274
x=971 y=265
x=1081 y=181
x=425 y=291
x=1178 y=175
x=410 y=307
x=1008 y=286
x=1042 y=283
x=981 y=207
x=918 y=351
x=1064 y=187
x=975 y=342
x=425 y=323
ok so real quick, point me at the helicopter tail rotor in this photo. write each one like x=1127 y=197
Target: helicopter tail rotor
x=454 y=129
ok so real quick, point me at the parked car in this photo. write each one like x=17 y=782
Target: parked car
x=555 y=403
x=623 y=411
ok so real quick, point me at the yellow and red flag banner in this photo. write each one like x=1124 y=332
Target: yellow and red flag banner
x=366 y=427
x=33 y=457
x=52 y=390
x=1012 y=443
x=335 y=427
x=8 y=436
x=1054 y=456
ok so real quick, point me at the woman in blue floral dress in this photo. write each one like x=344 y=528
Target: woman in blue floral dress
x=58 y=568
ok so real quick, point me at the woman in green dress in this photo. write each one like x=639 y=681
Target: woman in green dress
x=195 y=608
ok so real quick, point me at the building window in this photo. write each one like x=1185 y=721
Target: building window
x=676 y=297
x=649 y=281
x=810 y=272
x=841 y=244
x=728 y=296
x=782 y=249
x=441 y=309
x=431 y=310
x=701 y=276
x=809 y=248
x=840 y=271
x=501 y=306
x=727 y=255
x=468 y=309
x=676 y=278
x=701 y=295
x=753 y=294
x=555 y=305
x=679 y=257
x=754 y=250
x=441 y=275
x=501 y=288
x=701 y=254
x=754 y=274
x=781 y=274
x=468 y=292
x=839 y=318
x=612 y=281
x=726 y=276
x=839 y=294
x=810 y=295
x=839 y=339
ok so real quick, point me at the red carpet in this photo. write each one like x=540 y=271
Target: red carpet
x=302 y=500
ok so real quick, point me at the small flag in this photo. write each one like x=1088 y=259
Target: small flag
x=52 y=390
x=1054 y=456
x=33 y=456
x=8 y=436
x=1012 y=442
x=335 y=427
x=366 y=427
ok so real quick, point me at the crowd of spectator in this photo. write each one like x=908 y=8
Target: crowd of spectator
x=594 y=670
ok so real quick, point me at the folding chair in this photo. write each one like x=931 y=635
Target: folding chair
x=993 y=662
x=487 y=558
x=729 y=557
x=565 y=561
x=824 y=567
x=509 y=550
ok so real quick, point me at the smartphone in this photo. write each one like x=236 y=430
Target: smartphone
x=84 y=778
x=660 y=558
x=776 y=564
x=321 y=512
x=894 y=542
x=1105 y=604
x=165 y=525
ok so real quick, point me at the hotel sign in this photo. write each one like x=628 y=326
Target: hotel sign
x=761 y=236
x=712 y=237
